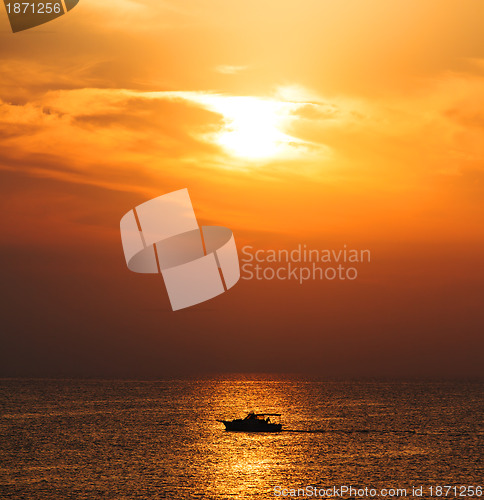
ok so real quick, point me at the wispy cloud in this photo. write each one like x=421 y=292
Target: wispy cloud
x=230 y=70
x=117 y=128
x=131 y=139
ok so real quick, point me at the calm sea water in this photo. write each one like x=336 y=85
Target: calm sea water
x=146 y=440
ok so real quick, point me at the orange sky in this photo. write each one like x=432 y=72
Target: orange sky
x=319 y=122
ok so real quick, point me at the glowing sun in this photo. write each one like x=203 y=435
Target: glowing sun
x=253 y=126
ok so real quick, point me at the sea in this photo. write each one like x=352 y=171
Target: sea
x=123 y=440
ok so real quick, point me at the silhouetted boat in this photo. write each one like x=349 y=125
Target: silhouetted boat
x=254 y=422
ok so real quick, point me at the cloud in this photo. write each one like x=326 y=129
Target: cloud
x=230 y=70
x=105 y=131
x=134 y=140
x=109 y=138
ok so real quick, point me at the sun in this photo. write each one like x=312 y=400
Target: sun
x=253 y=126
x=254 y=129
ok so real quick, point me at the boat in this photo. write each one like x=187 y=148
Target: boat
x=254 y=422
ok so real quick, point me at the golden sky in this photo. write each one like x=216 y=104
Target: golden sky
x=323 y=122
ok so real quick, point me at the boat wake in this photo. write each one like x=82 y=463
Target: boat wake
x=349 y=431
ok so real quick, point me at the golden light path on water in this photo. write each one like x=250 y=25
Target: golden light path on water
x=246 y=456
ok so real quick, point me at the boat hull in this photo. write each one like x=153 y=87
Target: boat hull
x=251 y=426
